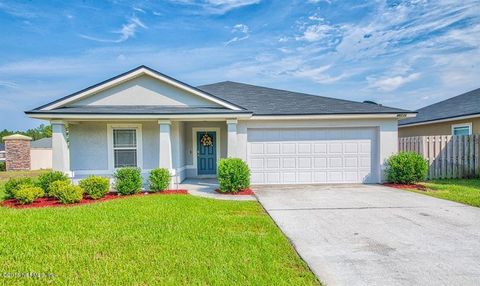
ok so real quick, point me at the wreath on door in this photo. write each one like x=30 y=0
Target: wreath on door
x=206 y=140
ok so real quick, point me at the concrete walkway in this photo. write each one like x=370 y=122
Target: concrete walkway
x=206 y=188
x=374 y=235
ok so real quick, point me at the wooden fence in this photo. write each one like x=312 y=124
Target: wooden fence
x=448 y=156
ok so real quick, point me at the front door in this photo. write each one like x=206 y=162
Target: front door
x=206 y=153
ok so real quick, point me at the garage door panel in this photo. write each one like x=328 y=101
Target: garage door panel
x=288 y=156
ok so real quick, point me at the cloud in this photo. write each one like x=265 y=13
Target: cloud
x=9 y=84
x=217 y=6
x=127 y=31
x=242 y=33
x=319 y=74
x=391 y=83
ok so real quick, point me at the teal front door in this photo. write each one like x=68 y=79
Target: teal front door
x=206 y=153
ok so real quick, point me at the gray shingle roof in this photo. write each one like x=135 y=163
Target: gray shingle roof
x=462 y=105
x=137 y=109
x=269 y=101
x=41 y=143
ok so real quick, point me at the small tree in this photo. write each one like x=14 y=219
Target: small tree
x=406 y=168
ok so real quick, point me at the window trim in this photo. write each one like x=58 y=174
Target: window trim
x=468 y=124
x=111 y=155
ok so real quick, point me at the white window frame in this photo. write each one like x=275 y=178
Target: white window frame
x=468 y=124
x=111 y=155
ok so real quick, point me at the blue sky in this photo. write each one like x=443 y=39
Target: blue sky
x=399 y=53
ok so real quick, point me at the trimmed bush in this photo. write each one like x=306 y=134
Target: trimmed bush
x=128 y=180
x=44 y=180
x=406 y=168
x=70 y=195
x=13 y=185
x=96 y=187
x=28 y=194
x=57 y=187
x=233 y=175
x=2 y=166
x=159 y=179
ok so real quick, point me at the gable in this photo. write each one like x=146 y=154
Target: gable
x=144 y=90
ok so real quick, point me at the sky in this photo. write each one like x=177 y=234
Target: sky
x=405 y=54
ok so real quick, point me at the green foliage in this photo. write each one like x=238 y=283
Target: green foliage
x=13 y=185
x=27 y=194
x=69 y=195
x=159 y=179
x=128 y=180
x=42 y=131
x=2 y=166
x=57 y=187
x=44 y=180
x=96 y=187
x=406 y=168
x=233 y=175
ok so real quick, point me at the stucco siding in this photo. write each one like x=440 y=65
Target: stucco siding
x=88 y=146
x=151 y=144
x=40 y=158
x=442 y=128
x=144 y=90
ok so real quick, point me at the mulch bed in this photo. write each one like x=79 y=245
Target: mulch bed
x=246 y=192
x=52 y=202
x=406 y=186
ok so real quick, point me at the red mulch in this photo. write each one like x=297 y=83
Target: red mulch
x=406 y=187
x=246 y=192
x=52 y=202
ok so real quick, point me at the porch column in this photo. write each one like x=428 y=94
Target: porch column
x=60 y=152
x=165 y=152
x=232 y=138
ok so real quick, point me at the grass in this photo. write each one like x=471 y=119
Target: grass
x=465 y=191
x=150 y=240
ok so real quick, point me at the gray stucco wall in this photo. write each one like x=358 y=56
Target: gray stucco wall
x=89 y=145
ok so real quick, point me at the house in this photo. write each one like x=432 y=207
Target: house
x=459 y=115
x=2 y=152
x=146 y=119
x=41 y=154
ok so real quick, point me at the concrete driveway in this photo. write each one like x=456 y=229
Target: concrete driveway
x=375 y=235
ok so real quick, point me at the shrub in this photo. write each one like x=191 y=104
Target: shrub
x=128 y=180
x=159 y=179
x=69 y=195
x=406 y=168
x=28 y=194
x=96 y=187
x=44 y=180
x=2 y=166
x=13 y=185
x=57 y=187
x=233 y=175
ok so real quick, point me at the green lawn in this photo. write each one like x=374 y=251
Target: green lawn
x=150 y=240
x=466 y=191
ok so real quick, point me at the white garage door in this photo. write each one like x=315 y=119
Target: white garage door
x=303 y=156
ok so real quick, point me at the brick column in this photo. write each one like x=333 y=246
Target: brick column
x=17 y=152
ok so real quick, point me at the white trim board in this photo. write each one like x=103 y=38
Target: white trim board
x=131 y=75
x=194 y=143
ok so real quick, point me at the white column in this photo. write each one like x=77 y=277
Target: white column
x=232 y=138
x=165 y=152
x=60 y=153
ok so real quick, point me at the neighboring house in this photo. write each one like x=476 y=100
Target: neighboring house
x=146 y=119
x=41 y=154
x=2 y=152
x=459 y=115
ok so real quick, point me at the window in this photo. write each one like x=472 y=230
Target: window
x=125 y=147
x=462 y=129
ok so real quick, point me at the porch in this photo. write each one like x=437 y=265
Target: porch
x=189 y=148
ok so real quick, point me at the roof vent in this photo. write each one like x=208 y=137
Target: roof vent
x=370 y=102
